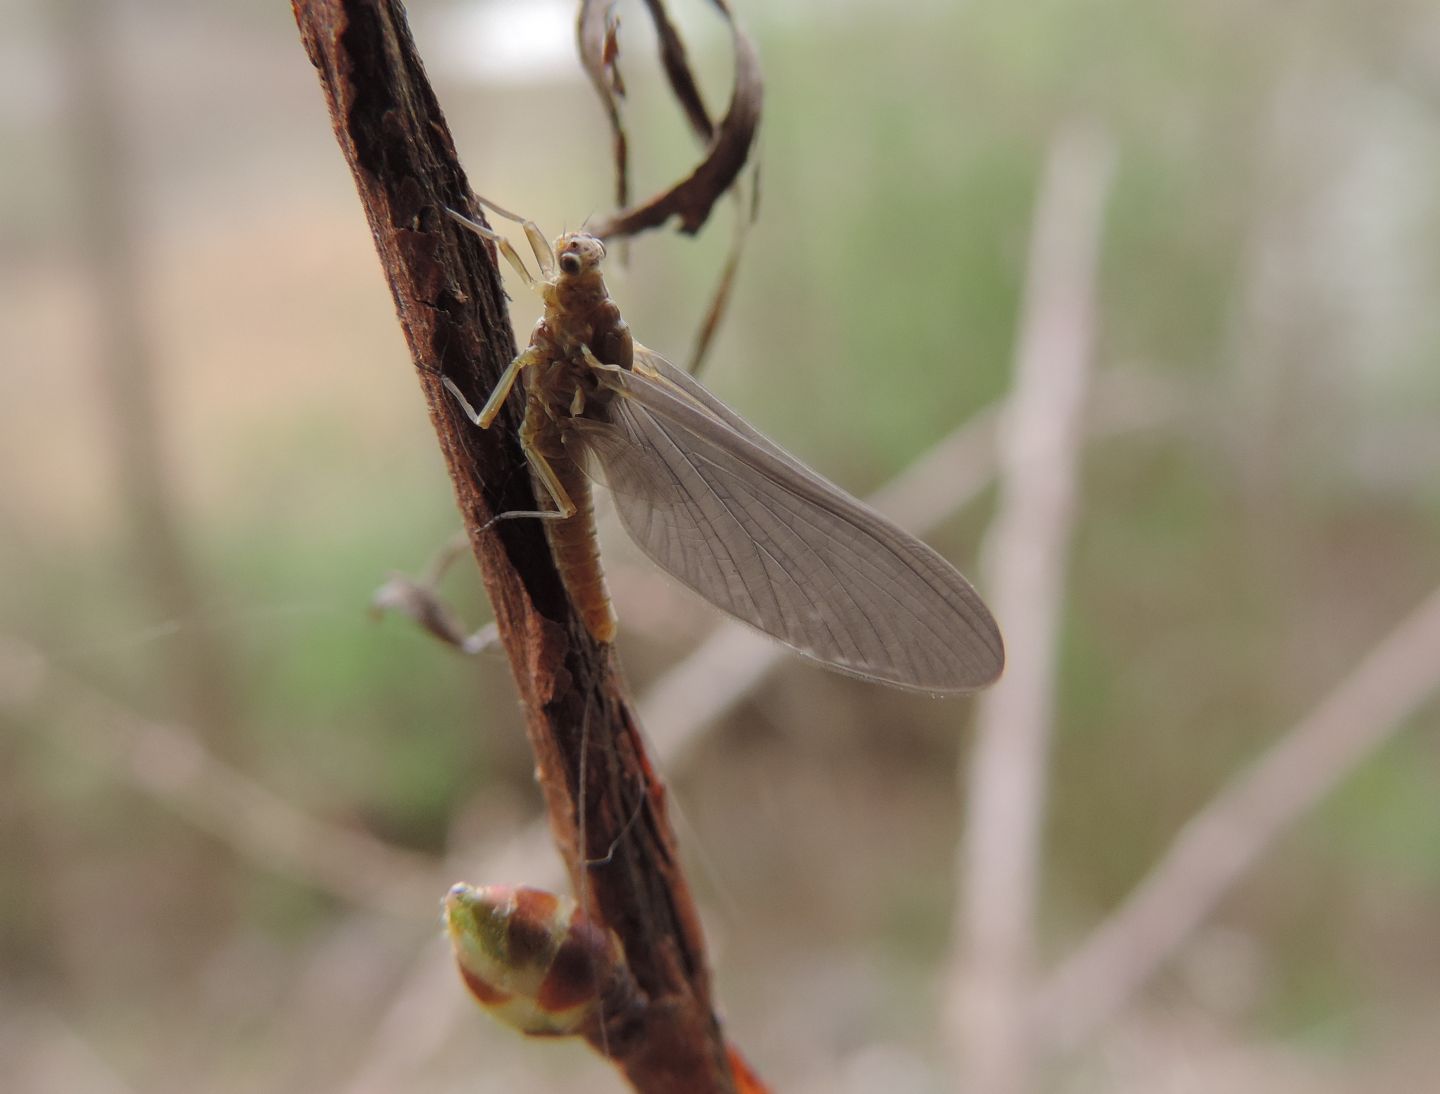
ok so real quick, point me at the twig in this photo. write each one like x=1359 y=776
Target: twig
x=171 y=764
x=417 y=599
x=1225 y=840
x=1026 y=554
x=590 y=759
x=695 y=694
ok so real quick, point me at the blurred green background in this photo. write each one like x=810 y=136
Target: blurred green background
x=175 y=214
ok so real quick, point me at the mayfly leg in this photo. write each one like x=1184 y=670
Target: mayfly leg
x=501 y=244
x=486 y=414
x=565 y=508
x=538 y=243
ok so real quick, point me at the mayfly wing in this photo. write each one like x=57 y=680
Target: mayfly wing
x=764 y=538
x=648 y=361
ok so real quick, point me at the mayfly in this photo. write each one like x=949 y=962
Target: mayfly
x=713 y=502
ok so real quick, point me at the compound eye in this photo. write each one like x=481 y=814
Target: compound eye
x=570 y=262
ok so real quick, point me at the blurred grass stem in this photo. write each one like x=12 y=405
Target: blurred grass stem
x=106 y=212
x=1026 y=555
x=171 y=764
x=1226 y=839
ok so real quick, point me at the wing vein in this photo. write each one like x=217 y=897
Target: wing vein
x=758 y=534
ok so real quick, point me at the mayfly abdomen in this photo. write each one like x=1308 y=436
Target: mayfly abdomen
x=572 y=540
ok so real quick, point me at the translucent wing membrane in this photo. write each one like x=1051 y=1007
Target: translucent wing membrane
x=761 y=536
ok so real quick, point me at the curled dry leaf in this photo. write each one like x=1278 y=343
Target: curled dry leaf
x=678 y=72
x=726 y=152
x=692 y=198
x=598 y=31
x=720 y=297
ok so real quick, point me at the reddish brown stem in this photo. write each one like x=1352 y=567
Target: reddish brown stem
x=606 y=805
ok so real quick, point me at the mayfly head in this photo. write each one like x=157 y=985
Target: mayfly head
x=578 y=253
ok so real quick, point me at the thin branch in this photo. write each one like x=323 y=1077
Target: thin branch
x=695 y=694
x=1027 y=552
x=1227 y=838
x=590 y=759
x=171 y=764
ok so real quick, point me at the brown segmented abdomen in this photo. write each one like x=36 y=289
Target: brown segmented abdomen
x=573 y=540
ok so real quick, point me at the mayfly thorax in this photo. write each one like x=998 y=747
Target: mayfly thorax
x=715 y=503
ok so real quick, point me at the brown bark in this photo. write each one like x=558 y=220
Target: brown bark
x=606 y=806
